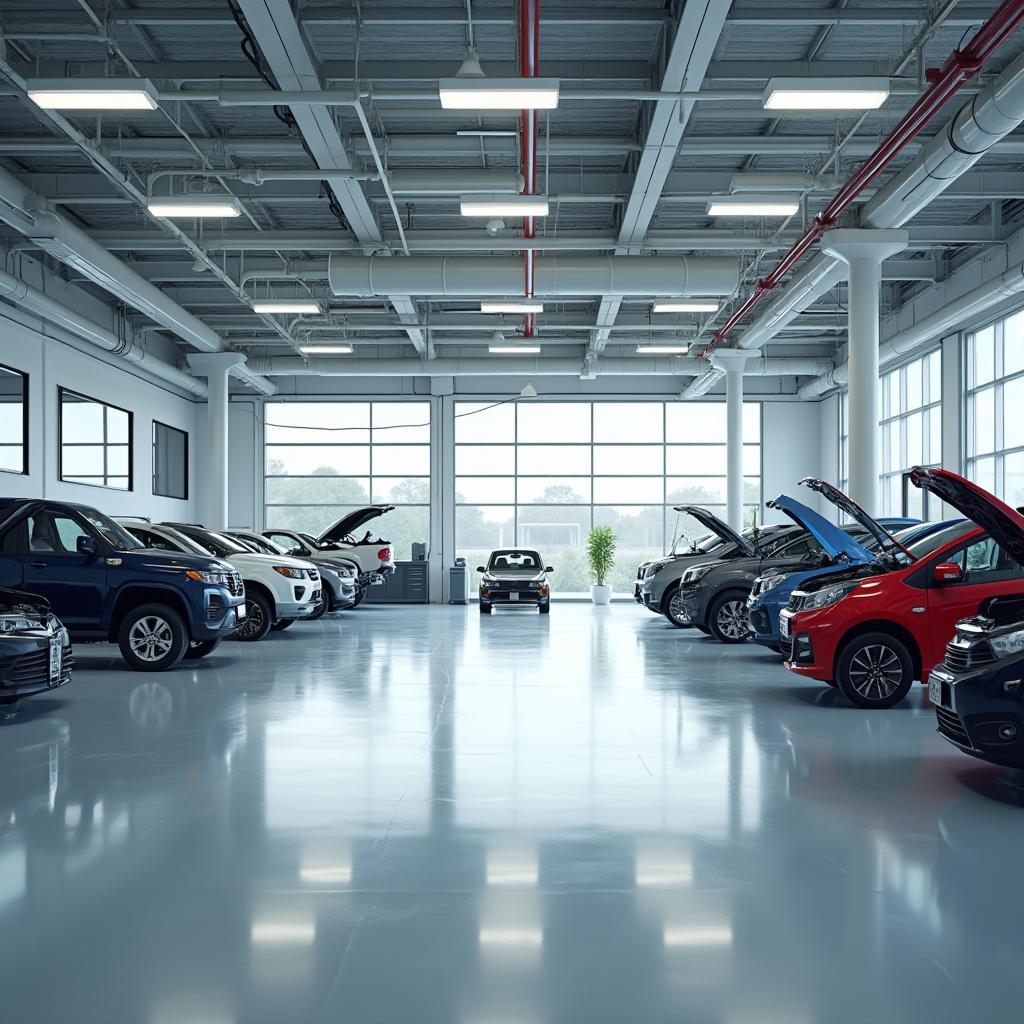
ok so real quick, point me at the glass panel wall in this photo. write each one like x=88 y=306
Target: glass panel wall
x=13 y=421
x=95 y=442
x=324 y=459
x=545 y=473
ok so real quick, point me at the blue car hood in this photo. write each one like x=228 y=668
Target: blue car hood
x=838 y=543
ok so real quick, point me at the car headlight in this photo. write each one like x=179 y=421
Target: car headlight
x=770 y=582
x=292 y=574
x=827 y=597
x=653 y=570
x=18 y=623
x=1007 y=644
x=696 y=573
x=346 y=574
x=216 y=578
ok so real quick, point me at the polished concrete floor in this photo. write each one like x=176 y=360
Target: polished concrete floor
x=412 y=815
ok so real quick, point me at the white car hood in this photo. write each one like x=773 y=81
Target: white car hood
x=256 y=561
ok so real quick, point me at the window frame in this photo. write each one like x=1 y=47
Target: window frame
x=61 y=392
x=24 y=471
x=186 y=467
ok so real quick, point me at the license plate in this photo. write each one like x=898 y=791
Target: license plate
x=784 y=626
x=935 y=690
x=240 y=613
x=514 y=596
x=56 y=654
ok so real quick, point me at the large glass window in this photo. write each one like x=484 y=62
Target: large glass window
x=13 y=421
x=542 y=474
x=95 y=442
x=324 y=459
x=844 y=441
x=911 y=431
x=994 y=442
x=170 y=461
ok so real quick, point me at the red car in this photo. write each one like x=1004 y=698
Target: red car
x=871 y=630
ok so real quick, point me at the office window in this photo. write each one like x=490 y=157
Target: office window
x=544 y=473
x=324 y=459
x=911 y=431
x=994 y=408
x=13 y=421
x=170 y=461
x=95 y=442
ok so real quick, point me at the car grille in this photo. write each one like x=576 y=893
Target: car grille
x=760 y=621
x=958 y=659
x=34 y=668
x=786 y=647
x=951 y=726
x=235 y=585
x=313 y=574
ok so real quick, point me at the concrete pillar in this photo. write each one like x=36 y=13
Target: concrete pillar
x=863 y=252
x=216 y=368
x=731 y=362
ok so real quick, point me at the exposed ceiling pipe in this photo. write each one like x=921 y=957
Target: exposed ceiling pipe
x=20 y=293
x=960 y=66
x=930 y=328
x=560 y=275
x=529 y=56
x=291 y=366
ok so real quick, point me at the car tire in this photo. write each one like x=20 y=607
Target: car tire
x=282 y=624
x=255 y=627
x=727 y=618
x=673 y=609
x=485 y=609
x=544 y=609
x=201 y=648
x=152 y=638
x=874 y=670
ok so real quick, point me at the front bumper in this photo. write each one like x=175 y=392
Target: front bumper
x=222 y=612
x=499 y=596
x=801 y=641
x=976 y=712
x=694 y=606
x=764 y=621
x=297 y=609
x=25 y=665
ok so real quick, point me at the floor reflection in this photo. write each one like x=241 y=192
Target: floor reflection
x=423 y=815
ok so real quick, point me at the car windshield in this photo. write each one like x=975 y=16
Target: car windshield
x=934 y=541
x=113 y=533
x=217 y=543
x=515 y=560
x=260 y=544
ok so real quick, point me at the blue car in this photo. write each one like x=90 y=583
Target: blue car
x=856 y=543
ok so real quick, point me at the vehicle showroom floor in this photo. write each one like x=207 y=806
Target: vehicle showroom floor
x=410 y=815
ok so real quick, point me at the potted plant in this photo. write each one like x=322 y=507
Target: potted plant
x=601 y=556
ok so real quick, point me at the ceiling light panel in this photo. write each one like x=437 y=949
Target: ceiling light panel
x=92 y=93
x=326 y=350
x=498 y=93
x=826 y=93
x=272 y=306
x=514 y=350
x=503 y=206
x=511 y=307
x=662 y=350
x=750 y=205
x=685 y=307
x=194 y=206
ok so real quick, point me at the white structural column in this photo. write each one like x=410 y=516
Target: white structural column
x=216 y=368
x=731 y=361
x=863 y=251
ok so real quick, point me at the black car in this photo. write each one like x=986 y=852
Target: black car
x=515 y=576
x=978 y=689
x=35 y=649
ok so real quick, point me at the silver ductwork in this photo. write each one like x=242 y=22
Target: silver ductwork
x=19 y=293
x=458 y=182
x=929 y=329
x=556 y=276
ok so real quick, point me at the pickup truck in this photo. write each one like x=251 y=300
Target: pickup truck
x=157 y=606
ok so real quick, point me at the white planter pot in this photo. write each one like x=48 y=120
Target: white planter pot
x=601 y=595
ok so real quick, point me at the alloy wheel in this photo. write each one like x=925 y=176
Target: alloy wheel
x=151 y=638
x=252 y=623
x=676 y=608
x=876 y=672
x=733 y=621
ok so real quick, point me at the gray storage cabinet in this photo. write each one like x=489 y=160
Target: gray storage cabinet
x=408 y=584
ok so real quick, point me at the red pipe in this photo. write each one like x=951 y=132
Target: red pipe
x=529 y=56
x=960 y=67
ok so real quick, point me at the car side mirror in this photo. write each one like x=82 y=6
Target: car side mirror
x=86 y=546
x=480 y=568
x=549 y=568
x=947 y=572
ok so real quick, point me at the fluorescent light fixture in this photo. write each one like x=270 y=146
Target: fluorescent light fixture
x=512 y=307
x=498 y=93
x=286 y=306
x=749 y=205
x=513 y=350
x=326 y=350
x=826 y=93
x=194 y=206
x=503 y=206
x=93 y=93
x=685 y=307
x=486 y=133
x=662 y=350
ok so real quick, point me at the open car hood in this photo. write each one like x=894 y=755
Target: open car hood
x=838 y=543
x=717 y=526
x=1004 y=524
x=15 y=600
x=886 y=541
x=351 y=522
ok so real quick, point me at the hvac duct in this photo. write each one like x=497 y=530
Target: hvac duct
x=556 y=275
x=679 y=366
x=927 y=330
x=17 y=292
x=447 y=183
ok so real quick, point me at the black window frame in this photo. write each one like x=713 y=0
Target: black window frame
x=185 y=434
x=61 y=392
x=24 y=471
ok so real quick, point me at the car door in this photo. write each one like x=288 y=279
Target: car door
x=52 y=566
x=988 y=572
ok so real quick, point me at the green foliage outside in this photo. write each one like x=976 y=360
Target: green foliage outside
x=601 y=553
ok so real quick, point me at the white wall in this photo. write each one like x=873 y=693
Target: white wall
x=790 y=450
x=50 y=364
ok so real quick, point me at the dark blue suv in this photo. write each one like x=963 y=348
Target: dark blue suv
x=104 y=585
